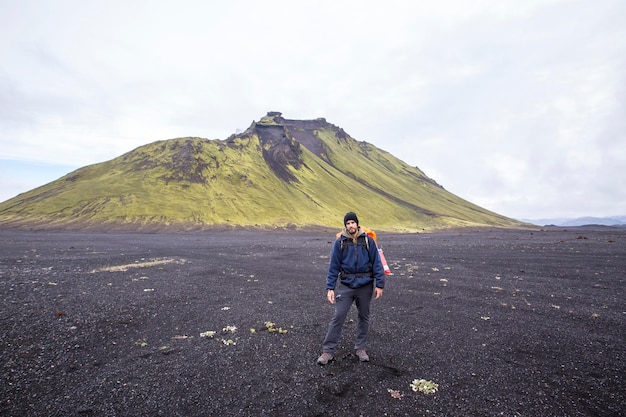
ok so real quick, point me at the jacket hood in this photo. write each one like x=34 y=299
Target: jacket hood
x=359 y=232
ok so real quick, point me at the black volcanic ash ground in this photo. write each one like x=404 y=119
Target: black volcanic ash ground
x=514 y=323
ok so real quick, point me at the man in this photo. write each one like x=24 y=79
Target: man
x=355 y=263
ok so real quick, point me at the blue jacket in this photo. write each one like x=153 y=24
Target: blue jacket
x=357 y=265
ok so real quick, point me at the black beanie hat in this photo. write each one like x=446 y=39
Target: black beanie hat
x=350 y=216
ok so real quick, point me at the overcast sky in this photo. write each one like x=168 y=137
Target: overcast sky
x=517 y=106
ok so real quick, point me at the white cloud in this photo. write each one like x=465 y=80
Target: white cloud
x=515 y=106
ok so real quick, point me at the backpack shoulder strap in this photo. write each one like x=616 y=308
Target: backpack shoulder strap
x=343 y=241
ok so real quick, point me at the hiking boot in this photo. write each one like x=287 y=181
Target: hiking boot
x=325 y=358
x=362 y=355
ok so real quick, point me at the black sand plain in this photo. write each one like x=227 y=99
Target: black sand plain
x=507 y=323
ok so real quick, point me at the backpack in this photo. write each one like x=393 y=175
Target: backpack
x=361 y=240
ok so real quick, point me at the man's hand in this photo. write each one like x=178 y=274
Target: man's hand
x=378 y=292
x=331 y=296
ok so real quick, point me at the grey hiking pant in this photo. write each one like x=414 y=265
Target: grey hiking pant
x=344 y=297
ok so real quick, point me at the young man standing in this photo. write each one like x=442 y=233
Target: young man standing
x=355 y=263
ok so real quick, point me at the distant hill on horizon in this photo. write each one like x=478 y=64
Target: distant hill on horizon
x=278 y=173
x=580 y=221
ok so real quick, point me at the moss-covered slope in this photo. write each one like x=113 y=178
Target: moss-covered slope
x=278 y=173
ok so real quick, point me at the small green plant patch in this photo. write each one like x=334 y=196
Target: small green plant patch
x=424 y=386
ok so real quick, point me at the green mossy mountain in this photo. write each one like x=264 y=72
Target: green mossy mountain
x=279 y=173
